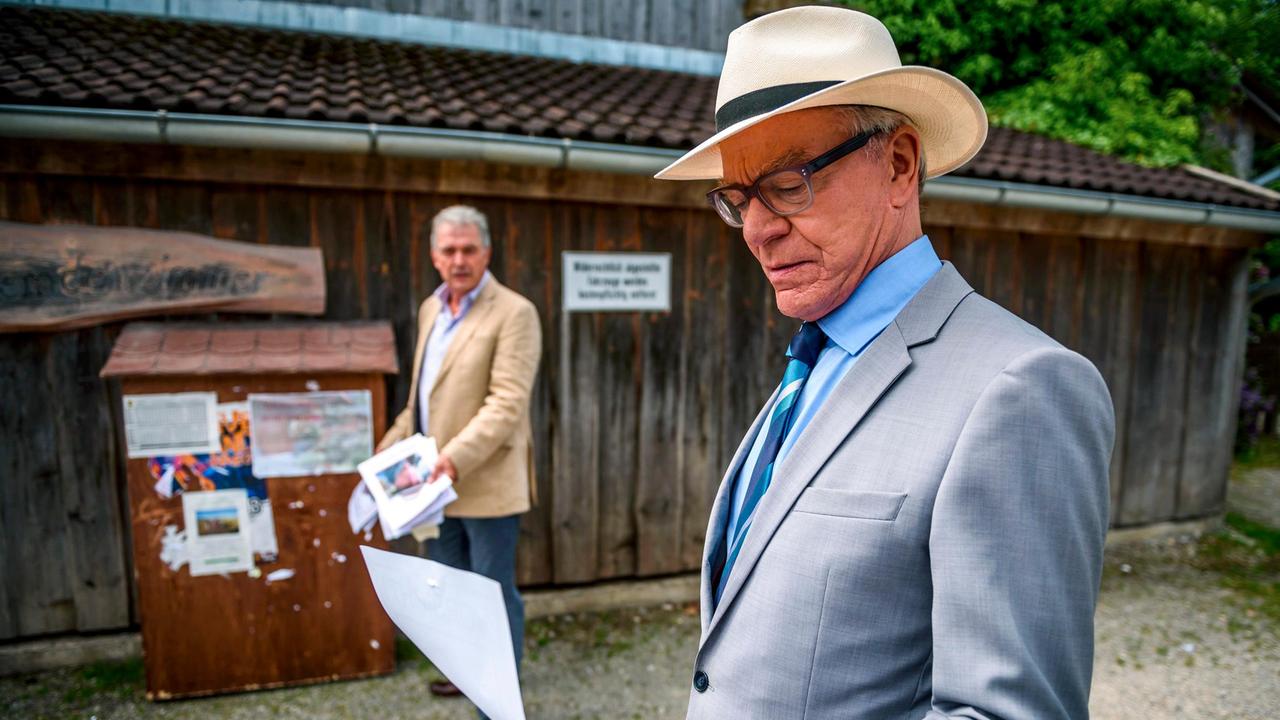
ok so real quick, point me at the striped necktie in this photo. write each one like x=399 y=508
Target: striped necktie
x=803 y=353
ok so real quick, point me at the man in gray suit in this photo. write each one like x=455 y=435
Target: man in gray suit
x=913 y=526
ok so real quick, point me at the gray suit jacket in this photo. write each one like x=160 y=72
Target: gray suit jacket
x=931 y=547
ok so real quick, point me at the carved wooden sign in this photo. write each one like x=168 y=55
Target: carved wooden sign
x=60 y=277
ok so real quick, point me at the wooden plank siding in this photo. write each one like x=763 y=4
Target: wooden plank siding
x=629 y=459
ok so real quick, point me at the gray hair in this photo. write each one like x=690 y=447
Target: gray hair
x=461 y=215
x=861 y=118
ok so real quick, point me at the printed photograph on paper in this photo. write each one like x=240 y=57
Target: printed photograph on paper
x=405 y=475
x=217 y=531
x=397 y=479
x=218 y=521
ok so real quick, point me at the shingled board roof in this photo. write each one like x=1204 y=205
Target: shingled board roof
x=149 y=348
x=69 y=58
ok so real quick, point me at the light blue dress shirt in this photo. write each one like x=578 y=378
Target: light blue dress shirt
x=438 y=344
x=850 y=328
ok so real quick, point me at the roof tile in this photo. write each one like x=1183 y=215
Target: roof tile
x=228 y=363
x=174 y=364
x=122 y=364
x=282 y=363
x=186 y=341
x=278 y=347
x=112 y=60
x=283 y=340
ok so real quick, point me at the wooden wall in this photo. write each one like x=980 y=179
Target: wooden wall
x=657 y=401
x=1165 y=325
x=700 y=24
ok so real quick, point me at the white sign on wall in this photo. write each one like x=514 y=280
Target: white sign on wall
x=616 y=282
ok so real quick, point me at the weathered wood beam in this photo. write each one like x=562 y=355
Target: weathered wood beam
x=60 y=277
x=480 y=179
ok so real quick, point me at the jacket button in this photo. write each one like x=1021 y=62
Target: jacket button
x=700 y=681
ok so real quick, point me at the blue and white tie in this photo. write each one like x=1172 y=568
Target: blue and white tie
x=803 y=353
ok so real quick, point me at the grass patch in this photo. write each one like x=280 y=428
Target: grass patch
x=115 y=678
x=1247 y=556
x=1266 y=454
x=409 y=656
x=1267 y=538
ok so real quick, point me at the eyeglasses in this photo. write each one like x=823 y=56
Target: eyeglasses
x=786 y=191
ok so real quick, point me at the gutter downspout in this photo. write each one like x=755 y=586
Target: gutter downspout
x=167 y=128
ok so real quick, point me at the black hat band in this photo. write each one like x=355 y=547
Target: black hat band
x=759 y=102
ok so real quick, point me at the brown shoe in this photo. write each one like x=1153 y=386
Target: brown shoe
x=444 y=688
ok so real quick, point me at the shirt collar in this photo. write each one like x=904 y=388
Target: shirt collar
x=442 y=294
x=881 y=296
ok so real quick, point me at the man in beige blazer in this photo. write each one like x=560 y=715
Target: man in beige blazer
x=473 y=370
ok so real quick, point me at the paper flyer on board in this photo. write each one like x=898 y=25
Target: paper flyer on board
x=217 y=527
x=228 y=468
x=314 y=433
x=170 y=424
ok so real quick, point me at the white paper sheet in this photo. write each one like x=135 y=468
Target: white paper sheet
x=457 y=619
x=170 y=424
x=396 y=479
x=362 y=509
x=217 y=529
x=433 y=515
x=362 y=513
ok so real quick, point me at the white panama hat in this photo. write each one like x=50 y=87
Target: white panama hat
x=810 y=57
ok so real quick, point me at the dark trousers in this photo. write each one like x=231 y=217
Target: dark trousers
x=486 y=546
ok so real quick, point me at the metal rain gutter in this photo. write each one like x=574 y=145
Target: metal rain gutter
x=1091 y=202
x=166 y=128
x=162 y=127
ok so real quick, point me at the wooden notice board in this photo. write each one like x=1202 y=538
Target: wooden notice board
x=225 y=633
x=238 y=631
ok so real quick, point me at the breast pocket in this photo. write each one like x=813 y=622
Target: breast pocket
x=862 y=504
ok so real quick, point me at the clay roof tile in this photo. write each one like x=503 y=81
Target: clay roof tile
x=277 y=347
x=61 y=57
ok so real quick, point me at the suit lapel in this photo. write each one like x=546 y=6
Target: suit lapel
x=877 y=369
x=875 y=372
x=475 y=317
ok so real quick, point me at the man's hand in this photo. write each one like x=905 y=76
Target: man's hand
x=444 y=466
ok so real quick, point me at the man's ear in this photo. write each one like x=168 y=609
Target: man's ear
x=902 y=150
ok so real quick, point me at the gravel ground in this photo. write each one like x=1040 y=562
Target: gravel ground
x=1187 y=628
x=1176 y=641
x=1256 y=494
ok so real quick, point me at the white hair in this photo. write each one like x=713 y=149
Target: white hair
x=861 y=118
x=458 y=215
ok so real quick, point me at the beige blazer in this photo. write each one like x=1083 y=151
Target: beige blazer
x=480 y=401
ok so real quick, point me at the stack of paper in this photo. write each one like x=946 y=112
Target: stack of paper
x=395 y=491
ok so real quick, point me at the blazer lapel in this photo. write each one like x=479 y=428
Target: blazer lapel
x=877 y=369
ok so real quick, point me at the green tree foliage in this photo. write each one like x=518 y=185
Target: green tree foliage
x=1133 y=78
